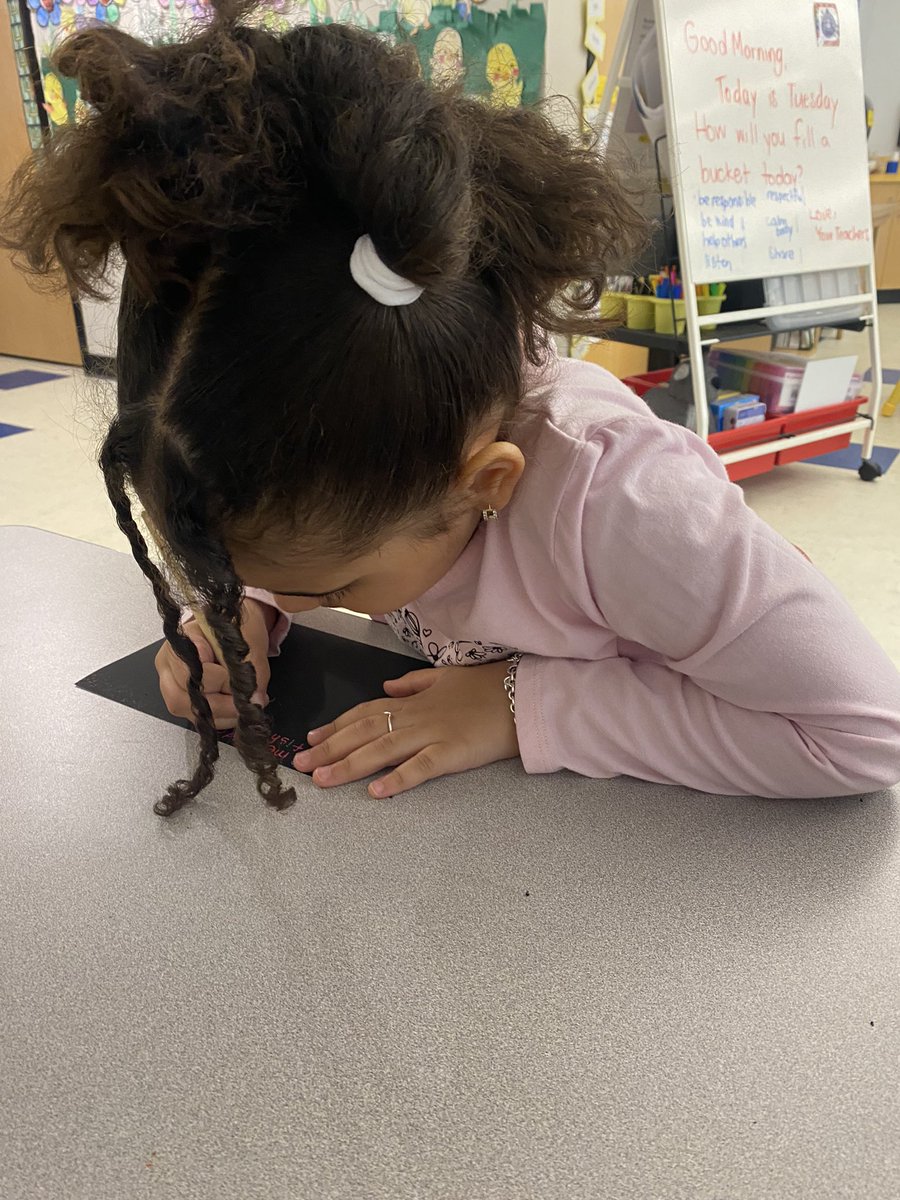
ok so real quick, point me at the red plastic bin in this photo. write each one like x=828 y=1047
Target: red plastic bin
x=641 y=384
x=818 y=418
x=770 y=430
x=737 y=439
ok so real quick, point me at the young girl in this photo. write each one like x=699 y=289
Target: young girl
x=336 y=388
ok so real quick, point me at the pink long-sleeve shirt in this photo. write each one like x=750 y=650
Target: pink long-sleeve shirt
x=668 y=633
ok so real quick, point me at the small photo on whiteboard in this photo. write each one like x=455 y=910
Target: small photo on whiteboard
x=828 y=25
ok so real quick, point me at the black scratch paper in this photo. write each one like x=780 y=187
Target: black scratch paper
x=315 y=679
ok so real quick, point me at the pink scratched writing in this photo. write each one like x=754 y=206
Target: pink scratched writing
x=281 y=747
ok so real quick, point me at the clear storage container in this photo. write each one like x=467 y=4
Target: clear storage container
x=777 y=386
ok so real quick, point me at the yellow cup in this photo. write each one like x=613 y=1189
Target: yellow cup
x=668 y=313
x=613 y=307
x=640 y=312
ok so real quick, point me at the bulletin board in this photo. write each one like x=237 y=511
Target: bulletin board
x=494 y=47
x=767 y=135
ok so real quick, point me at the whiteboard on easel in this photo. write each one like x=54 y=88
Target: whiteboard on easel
x=767 y=135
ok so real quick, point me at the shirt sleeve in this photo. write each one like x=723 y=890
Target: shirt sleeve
x=738 y=668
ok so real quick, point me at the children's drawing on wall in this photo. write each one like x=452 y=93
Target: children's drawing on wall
x=464 y=9
x=46 y=12
x=447 y=67
x=494 y=47
x=107 y=12
x=181 y=12
x=55 y=100
x=61 y=99
x=414 y=15
x=350 y=14
x=503 y=76
x=500 y=52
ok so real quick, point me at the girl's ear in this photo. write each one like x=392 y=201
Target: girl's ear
x=490 y=476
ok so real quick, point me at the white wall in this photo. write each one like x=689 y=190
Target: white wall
x=566 y=57
x=880 y=28
x=100 y=318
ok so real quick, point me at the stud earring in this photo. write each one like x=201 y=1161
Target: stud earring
x=489 y=514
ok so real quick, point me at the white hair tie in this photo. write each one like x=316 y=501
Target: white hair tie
x=376 y=278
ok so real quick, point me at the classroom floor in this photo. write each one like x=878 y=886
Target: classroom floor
x=48 y=478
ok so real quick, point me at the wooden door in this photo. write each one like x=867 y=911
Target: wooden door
x=33 y=324
x=886 y=216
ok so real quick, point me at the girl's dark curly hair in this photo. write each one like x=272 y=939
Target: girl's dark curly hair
x=259 y=389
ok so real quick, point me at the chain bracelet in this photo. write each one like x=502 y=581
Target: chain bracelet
x=509 y=683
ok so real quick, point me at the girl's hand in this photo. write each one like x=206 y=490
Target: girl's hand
x=173 y=673
x=445 y=720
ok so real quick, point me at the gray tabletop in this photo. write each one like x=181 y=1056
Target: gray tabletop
x=496 y=987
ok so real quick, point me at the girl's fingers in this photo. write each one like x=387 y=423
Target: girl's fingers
x=215 y=679
x=223 y=711
x=173 y=694
x=366 y=760
x=178 y=702
x=413 y=683
x=369 y=730
x=429 y=763
x=192 y=630
x=224 y=714
x=372 y=713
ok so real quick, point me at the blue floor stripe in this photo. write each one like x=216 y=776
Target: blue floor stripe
x=849 y=458
x=9 y=430
x=888 y=375
x=17 y=379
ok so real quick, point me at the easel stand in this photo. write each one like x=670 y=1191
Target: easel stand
x=730 y=26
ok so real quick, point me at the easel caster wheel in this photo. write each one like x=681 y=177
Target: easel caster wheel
x=869 y=470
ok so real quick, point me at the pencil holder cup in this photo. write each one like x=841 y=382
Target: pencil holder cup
x=669 y=313
x=639 y=313
x=613 y=307
x=707 y=305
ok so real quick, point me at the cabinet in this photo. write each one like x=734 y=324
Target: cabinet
x=885 y=190
x=33 y=324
